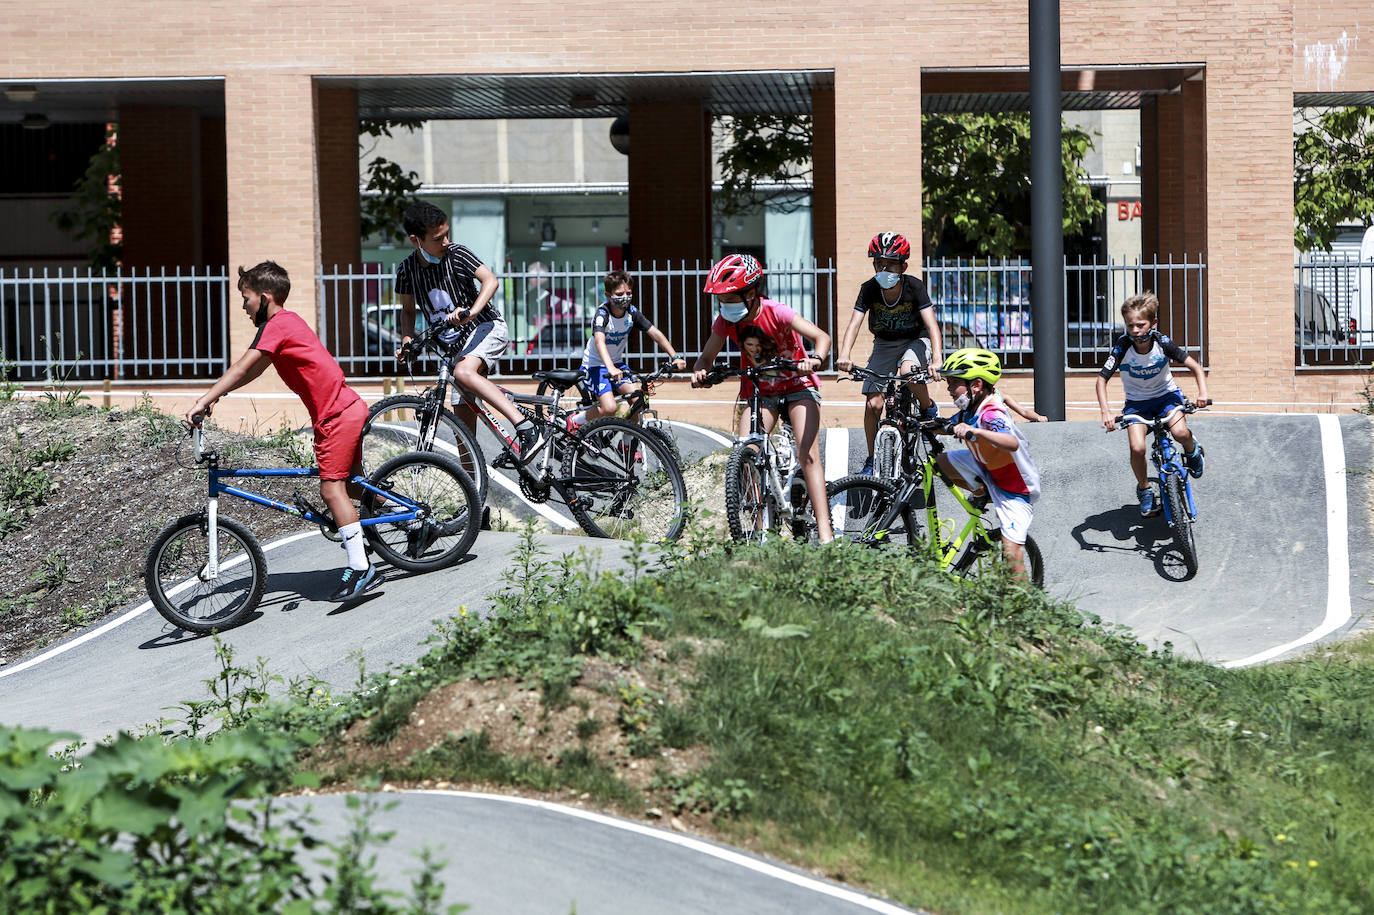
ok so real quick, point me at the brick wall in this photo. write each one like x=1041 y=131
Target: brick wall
x=1256 y=53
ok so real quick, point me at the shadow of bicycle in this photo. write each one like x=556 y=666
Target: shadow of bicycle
x=1130 y=533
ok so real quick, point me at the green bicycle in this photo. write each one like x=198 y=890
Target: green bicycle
x=905 y=513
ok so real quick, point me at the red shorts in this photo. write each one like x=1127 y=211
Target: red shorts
x=339 y=442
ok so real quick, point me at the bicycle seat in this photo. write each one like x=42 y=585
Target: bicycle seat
x=561 y=379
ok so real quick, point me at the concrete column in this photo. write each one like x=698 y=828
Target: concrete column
x=670 y=181
x=160 y=171
x=336 y=127
x=823 y=190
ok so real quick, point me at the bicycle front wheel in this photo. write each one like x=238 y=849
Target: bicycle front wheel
x=449 y=509
x=750 y=506
x=865 y=510
x=404 y=423
x=887 y=452
x=180 y=582
x=621 y=480
x=1181 y=521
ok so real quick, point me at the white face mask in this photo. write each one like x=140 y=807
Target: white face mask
x=961 y=402
x=733 y=311
x=887 y=279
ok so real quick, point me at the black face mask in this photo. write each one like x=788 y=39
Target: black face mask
x=260 y=316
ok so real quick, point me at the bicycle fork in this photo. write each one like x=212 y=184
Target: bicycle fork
x=210 y=571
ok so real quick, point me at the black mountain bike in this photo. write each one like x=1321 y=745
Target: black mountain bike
x=764 y=490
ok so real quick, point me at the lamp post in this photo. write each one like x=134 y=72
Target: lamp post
x=1047 y=210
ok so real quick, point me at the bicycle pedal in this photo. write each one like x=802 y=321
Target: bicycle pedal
x=503 y=461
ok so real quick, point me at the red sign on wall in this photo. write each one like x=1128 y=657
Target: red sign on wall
x=1127 y=210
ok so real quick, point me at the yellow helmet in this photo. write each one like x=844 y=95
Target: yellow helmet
x=971 y=362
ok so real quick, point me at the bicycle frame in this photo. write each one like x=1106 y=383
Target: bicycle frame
x=1167 y=460
x=216 y=488
x=973 y=535
x=774 y=476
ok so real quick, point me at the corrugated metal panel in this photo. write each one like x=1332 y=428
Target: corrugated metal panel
x=986 y=102
x=580 y=94
x=1331 y=99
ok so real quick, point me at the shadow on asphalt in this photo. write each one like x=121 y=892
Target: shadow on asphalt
x=1127 y=532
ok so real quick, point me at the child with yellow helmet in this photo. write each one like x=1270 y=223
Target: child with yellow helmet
x=998 y=456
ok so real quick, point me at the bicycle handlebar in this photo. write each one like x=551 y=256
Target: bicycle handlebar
x=721 y=371
x=1189 y=406
x=429 y=338
x=918 y=374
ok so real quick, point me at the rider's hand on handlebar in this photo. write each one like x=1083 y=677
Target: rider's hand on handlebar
x=699 y=378
x=197 y=413
x=844 y=364
x=677 y=364
x=1109 y=422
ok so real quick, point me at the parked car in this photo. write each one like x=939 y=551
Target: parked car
x=381 y=328
x=1314 y=320
x=557 y=338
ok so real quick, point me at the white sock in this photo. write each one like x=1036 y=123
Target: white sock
x=353 y=543
x=579 y=417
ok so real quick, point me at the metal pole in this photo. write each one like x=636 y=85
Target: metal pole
x=1047 y=210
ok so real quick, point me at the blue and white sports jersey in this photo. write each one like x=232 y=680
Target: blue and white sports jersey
x=1144 y=376
x=617 y=331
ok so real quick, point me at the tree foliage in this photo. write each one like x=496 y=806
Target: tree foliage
x=93 y=211
x=1333 y=174
x=975 y=175
x=765 y=158
x=975 y=182
x=390 y=188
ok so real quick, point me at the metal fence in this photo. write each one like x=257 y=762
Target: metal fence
x=86 y=325
x=1333 y=311
x=549 y=311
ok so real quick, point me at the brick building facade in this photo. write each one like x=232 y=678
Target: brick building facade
x=273 y=172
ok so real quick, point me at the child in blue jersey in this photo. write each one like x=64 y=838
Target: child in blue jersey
x=1142 y=354
x=603 y=361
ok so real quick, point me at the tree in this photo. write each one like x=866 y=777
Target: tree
x=975 y=175
x=1333 y=174
x=766 y=157
x=975 y=182
x=390 y=188
x=93 y=211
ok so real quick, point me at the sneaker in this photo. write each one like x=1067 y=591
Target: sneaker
x=531 y=440
x=867 y=469
x=356 y=583
x=1194 y=461
x=931 y=412
x=486 y=518
x=420 y=536
x=1149 y=505
x=571 y=426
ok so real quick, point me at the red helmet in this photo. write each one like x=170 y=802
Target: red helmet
x=733 y=273
x=891 y=246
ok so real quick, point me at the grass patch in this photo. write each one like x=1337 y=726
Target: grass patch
x=961 y=747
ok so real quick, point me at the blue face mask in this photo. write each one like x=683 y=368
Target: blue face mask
x=429 y=257
x=733 y=312
x=887 y=279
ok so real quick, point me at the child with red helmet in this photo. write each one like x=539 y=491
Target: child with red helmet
x=734 y=281
x=905 y=332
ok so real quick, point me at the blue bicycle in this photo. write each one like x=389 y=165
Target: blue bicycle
x=204 y=572
x=1176 y=494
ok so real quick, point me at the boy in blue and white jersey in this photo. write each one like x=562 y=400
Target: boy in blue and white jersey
x=1143 y=354
x=603 y=361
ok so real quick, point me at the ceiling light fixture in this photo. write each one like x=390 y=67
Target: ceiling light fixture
x=34 y=121
x=21 y=93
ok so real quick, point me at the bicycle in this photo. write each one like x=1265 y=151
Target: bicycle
x=205 y=572
x=1176 y=493
x=615 y=477
x=882 y=513
x=640 y=411
x=890 y=441
x=763 y=485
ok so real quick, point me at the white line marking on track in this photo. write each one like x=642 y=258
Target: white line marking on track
x=836 y=458
x=693 y=844
x=711 y=434
x=137 y=611
x=1337 y=546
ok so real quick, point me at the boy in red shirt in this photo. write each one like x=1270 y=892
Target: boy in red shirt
x=337 y=413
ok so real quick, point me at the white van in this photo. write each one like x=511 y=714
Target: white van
x=1362 y=294
x=1314 y=320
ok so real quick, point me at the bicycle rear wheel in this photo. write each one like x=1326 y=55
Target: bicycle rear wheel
x=621 y=480
x=408 y=422
x=450 y=512
x=750 y=507
x=864 y=509
x=1181 y=521
x=178 y=582
x=887 y=452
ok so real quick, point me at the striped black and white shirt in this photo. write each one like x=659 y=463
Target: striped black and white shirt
x=440 y=288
